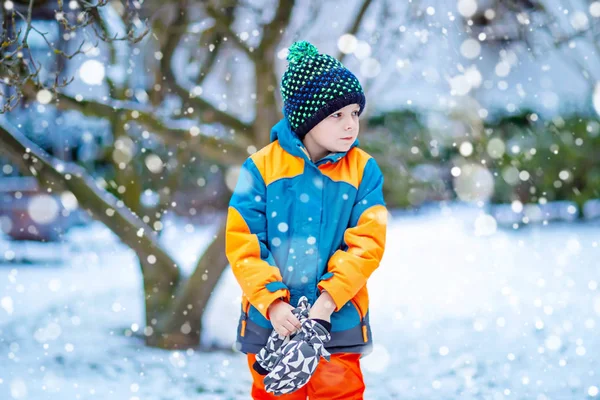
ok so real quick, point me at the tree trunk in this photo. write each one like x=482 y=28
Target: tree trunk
x=174 y=308
x=192 y=298
x=160 y=272
x=127 y=177
x=267 y=114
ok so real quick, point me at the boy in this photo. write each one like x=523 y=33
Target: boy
x=308 y=218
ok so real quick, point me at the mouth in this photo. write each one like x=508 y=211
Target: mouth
x=347 y=138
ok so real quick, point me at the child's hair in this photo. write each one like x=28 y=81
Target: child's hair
x=314 y=86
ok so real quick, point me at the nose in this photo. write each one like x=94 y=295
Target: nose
x=350 y=124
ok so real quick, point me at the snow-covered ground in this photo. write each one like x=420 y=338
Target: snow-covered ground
x=514 y=315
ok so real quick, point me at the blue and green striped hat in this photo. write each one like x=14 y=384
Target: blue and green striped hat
x=314 y=86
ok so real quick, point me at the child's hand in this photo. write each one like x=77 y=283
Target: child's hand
x=323 y=308
x=282 y=318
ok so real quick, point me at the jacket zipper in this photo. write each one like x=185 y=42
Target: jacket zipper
x=363 y=323
x=244 y=318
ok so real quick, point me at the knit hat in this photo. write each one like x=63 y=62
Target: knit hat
x=314 y=86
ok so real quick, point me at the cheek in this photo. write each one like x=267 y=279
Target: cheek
x=325 y=138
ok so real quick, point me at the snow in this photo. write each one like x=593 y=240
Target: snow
x=455 y=314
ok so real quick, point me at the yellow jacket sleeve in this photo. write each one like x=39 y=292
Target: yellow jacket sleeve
x=246 y=247
x=364 y=241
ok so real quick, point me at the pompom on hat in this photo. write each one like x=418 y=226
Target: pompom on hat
x=314 y=86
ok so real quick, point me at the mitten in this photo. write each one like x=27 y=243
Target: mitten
x=300 y=357
x=269 y=355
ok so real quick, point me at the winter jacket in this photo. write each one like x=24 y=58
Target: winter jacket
x=297 y=227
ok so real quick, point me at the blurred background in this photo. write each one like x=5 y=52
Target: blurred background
x=123 y=127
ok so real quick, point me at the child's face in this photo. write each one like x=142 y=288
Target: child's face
x=338 y=131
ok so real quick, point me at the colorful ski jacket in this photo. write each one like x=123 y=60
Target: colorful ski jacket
x=297 y=227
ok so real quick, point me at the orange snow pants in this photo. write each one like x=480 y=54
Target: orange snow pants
x=340 y=378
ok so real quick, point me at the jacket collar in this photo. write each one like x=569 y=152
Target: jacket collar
x=290 y=142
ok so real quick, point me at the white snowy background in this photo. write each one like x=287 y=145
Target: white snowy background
x=512 y=314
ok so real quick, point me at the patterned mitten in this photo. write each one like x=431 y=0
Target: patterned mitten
x=269 y=355
x=300 y=357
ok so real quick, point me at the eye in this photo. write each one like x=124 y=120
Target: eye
x=355 y=112
x=336 y=115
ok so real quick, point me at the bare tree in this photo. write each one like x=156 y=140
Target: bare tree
x=172 y=38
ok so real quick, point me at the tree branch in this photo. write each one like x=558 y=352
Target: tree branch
x=224 y=25
x=196 y=290
x=273 y=31
x=208 y=113
x=356 y=24
x=20 y=71
x=309 y=23
x=57 y=175
x=209 y=36
x=221 y=150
